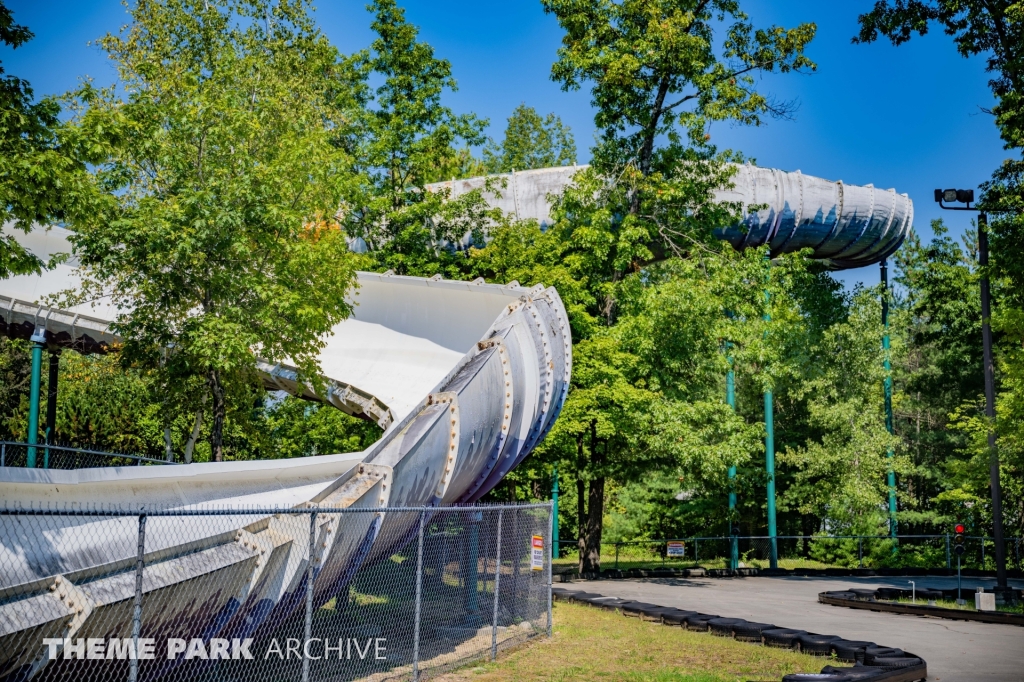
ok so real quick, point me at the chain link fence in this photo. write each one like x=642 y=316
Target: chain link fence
x=799 y=551
x=50 y=456
x=294 y=595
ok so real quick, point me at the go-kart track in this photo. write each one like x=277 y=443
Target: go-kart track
x=465 y=377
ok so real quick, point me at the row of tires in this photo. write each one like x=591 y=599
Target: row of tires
x=870 y=661
x=897 y=593
x=661 y=572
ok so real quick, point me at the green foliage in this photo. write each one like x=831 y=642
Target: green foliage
x=297 y=428
x=409 y=138
x=219 y=183
x=531 y=142
x=42 y=168
x=655 y=64
x=839 y=476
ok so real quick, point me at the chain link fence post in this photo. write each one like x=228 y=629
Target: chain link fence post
x=949 y=559
x=472 y=561
x=616 y=556
x=549 y=574
x=497 y=586
x=860 y=552
x=419 y=602
x=309 y=595
x=140 y=561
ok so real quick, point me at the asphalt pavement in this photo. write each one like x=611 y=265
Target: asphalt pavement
x=954 y=650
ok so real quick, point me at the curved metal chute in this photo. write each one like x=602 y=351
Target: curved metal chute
x=845 y=226
x=465 y=378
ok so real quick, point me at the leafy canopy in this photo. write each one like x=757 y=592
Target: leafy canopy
x=42 y=170
x=531 y=142
x=219 y=184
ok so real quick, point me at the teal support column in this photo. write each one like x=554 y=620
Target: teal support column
x=730 y=399
x=472 y=559
x=769 y=453
x=554 y=512
x=38 y=344
x=888 y=396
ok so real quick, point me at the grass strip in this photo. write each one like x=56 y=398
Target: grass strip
x=593 y=644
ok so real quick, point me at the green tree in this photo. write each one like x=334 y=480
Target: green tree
x=220 y=179
x=410 y=138
x=660 y=72
x=42 y=171
x=839 y=477
x=531 y=142
x=994 y=30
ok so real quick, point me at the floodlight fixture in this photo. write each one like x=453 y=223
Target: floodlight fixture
x=955 y=196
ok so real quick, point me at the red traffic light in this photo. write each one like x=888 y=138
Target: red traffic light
x=959 y=528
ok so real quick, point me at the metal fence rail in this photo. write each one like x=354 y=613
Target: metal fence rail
x=13 y=454
x=297 y=594
x=799 y=551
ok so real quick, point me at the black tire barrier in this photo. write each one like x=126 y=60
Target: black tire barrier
x=751 y=632
x=896 y=663
x=855 y=673
x=864 y=594
x=699 y=622
x=920 y=608
x=723 y=626
x=609 y=604
x=655 y=615
x=816 y=645
x=872 y=662
x=782 y=638
x=872 y=651
x=676 y=617
x=634 y=609
x=850 y=651
x=582 y=596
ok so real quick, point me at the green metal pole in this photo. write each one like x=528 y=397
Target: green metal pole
x=38 y=344
x=888 y=396
x=554 y=511
x=730 y=399
x=472 y=558
x=769 y=451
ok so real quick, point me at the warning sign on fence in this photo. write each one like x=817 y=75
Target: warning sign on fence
x=676 y=549
x=537 y=555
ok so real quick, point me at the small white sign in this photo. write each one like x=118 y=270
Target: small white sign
x=985 y=601
x=676 y=549
x=537 y=553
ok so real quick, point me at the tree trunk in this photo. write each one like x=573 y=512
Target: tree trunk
x=581 y=501
x=590 y=557
x=168 y=445
x=194 y=436
x=219 y=413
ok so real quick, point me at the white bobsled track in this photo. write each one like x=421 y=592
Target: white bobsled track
x=845 y=226
x=466 y=378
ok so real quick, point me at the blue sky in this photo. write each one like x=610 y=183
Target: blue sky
x=908 y=117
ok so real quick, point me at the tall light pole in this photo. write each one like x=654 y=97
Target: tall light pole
x=769 y=444
x=38 y=345
x=730 y=399
x=966 y=196
x=554 y=512
x=888 y=396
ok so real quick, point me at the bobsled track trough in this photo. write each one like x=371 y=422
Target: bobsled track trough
x=845 y=226
x=465 y=377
